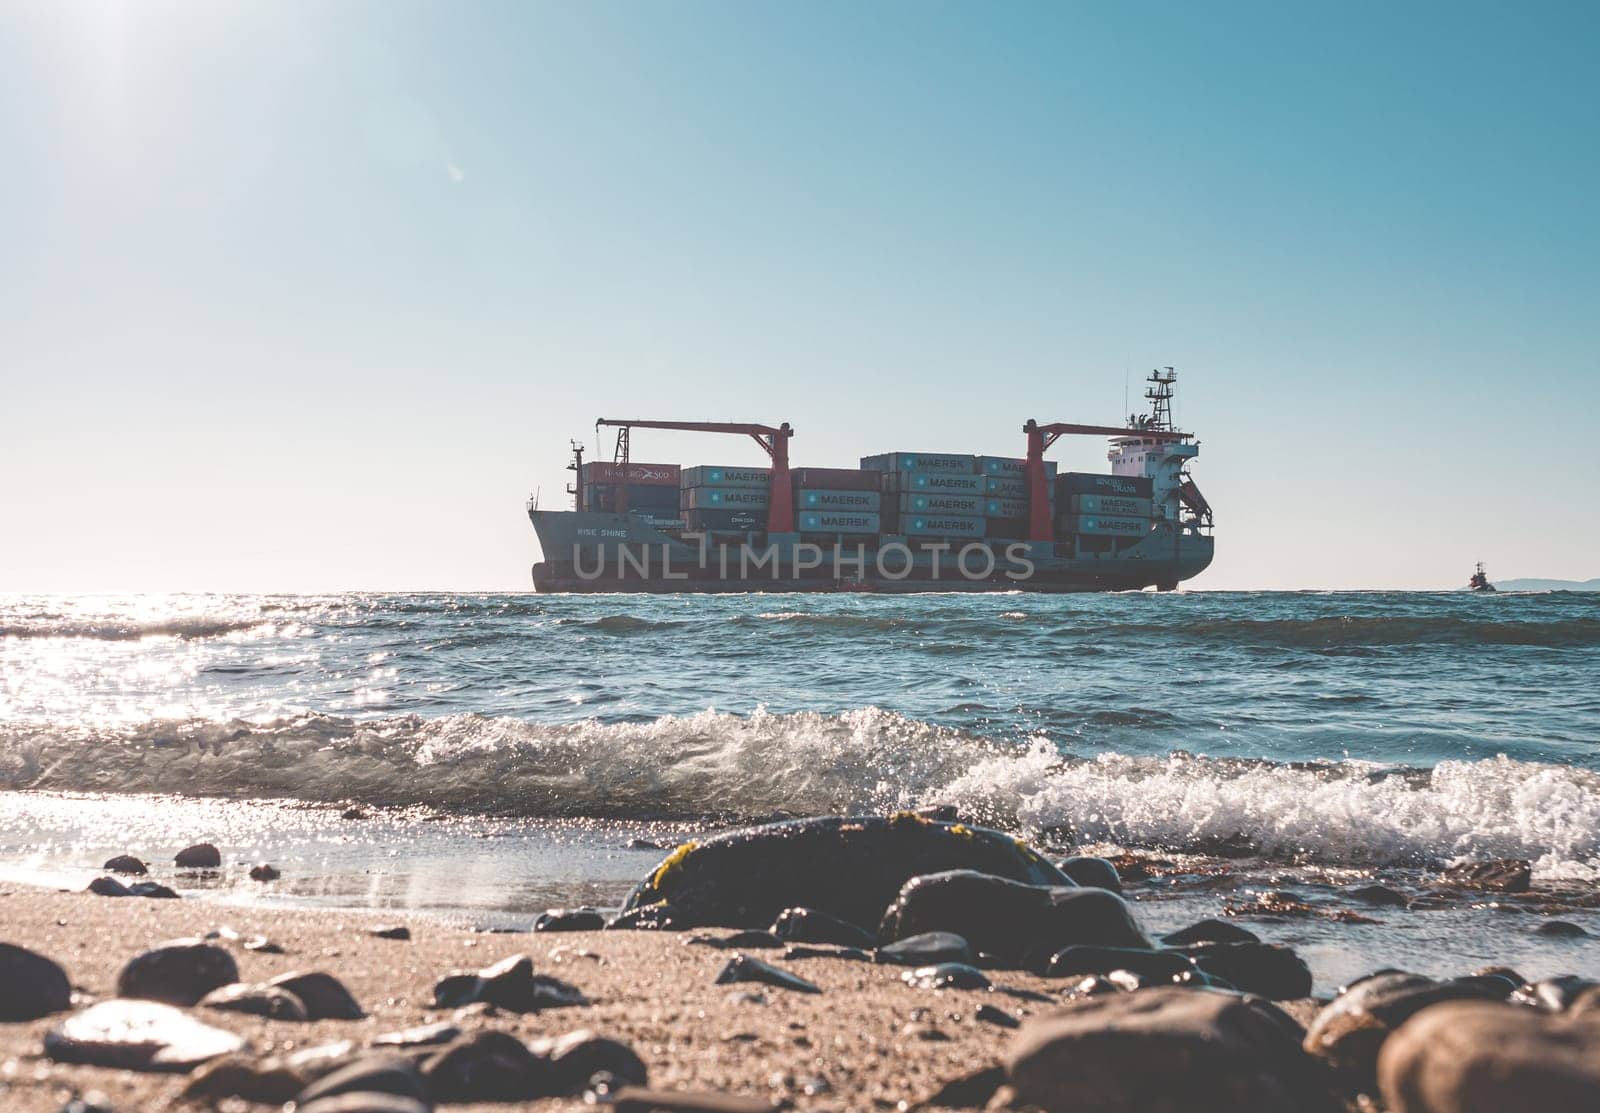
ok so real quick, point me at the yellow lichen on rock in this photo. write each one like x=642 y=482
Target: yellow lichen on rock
x=673 y=861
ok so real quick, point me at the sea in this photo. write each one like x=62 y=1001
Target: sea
x=482 y=757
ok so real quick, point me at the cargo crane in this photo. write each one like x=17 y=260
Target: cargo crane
x=773 y=440
x=1040 y=438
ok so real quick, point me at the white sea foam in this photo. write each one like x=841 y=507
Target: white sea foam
x=715 y=765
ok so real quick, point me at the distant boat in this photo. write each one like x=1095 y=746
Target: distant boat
x=1480 y=580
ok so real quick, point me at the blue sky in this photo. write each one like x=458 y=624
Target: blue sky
x=311 y=296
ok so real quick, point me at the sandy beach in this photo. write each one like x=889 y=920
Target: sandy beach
x=870 y=1039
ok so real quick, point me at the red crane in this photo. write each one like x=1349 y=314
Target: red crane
x=1041 y=437
x=775 y=441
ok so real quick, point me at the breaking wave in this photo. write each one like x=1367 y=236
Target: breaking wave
x=720 y=767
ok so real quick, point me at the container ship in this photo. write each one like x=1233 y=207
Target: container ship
x=899 y=522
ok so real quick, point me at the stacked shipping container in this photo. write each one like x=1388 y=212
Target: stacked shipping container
x=937 y=494
x=1098 y=508
x=841 y=501
x=649 y=490
x=725 y=500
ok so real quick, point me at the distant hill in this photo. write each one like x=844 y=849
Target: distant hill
x=1548 y=585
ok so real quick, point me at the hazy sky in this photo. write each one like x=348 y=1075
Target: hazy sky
x=311 y=296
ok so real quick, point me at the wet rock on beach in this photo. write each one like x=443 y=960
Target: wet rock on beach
x=31 y=985
x=508 y=984
x=179 y=973
x=200 y=856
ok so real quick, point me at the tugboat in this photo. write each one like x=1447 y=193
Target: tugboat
x=1480 y=580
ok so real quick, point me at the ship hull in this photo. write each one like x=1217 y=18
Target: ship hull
x=588 y=552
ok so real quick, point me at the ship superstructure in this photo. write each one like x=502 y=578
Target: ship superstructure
x=900 y=521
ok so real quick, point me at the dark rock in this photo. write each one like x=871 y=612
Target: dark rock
x=1012 y=921
x=31 y=985
x=1157 y=965
x=151 y=889
x=1210 y=931
x=846 y=954
x=739 y=941
x=179 y=973
x=423 y=1035
x=270 y=1001
x=743 y=968
x=264 y=872
x=927 y=949
x=636 y=1099
x=1379 y=895
x=508 y=984
x=1476 y=1057
x=1552 y=994
x=125 y=863
x=1505 y=972
x=998 y=1017
x=377 y=1073
x=1502 y=875
x=644 y=844
x=1199 y=979
x=577 y=1057
x=807 y=925
x=969 y=1091
x=261 y=945
x=1164 y=1049
x=849 y=867
x=395 y=931
x=108 y=887
x=941 y=813
x=1561 y=929
x=1349 y=1032
x=138 y=1035
x=323 y=995
x=267 y=1081
x=947 y=975
x=570 y=919
x=650 y=917
x=353 y=813
x=1095 y=985
x=200 y=856
x=1267 y=969
x=1091 y=873
x=362 y=1102
x=488 y=1066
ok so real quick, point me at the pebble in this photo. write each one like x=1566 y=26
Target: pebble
x=1095 y=985
x=946 y=975
x=324 y=996
x=31 y=985
x=267 y=1081
x=743 y=968
x=989 y=1014
x=1500 y=875
x=423 y=1035
x=1561 y=929
x=739 y=941
x=1267 y=969
x=1018 y=923
x=111 y=887
x=1210 y=931
x=179 y=973
x=381 y=1072
x=262 y=945
x=1157 y=965
x=570 y=919
x=634 y=1099
x=264 y=872
x=644 y=844
x=577 y=1058
x=270 y=1001
x=365 y=1103
x=1166 y=1049
x=847 y=954
x=1380 y=895
x=138 y=1035
x=1348 y=1033
x=125 y=863
x=92 y=1102
x=1477 y=1057
x=1092 y=873
x=487 y=1066
x=508 y=984
x=107 y=887
x=393 y=931
x=927 y=949
x=200 y=856
x=807 y=925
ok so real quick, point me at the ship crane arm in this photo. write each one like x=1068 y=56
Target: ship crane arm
x=1041 y=437
x=773 y=439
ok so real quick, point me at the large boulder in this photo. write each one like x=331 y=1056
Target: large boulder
x=847 y=866
x=1164 y=1050
x=1483 y=1057
x=1014 y=922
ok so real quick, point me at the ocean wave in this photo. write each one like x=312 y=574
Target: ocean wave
x=1354 y=632
x=720 y=767
x=119 y=629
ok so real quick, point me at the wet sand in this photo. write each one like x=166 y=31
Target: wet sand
x=869 y=1040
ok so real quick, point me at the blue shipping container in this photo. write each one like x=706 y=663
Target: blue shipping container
x=918 y=502
x=837 y=521
x=941 y=525
x=1101 y=525
x=1112 y=504
x=732 y=498
x=867 y=502
x=941 y=483
x=944 y=463
x=707 y=476
x=1011 y=466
